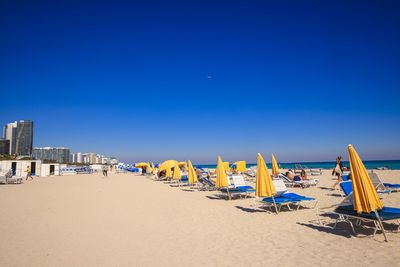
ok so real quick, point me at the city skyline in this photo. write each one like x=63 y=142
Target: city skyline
x=199 y=80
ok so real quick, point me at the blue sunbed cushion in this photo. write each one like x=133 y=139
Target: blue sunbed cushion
x=386 y=213
x=347 y=187
x=391 y=185
x=297 y=197
x=246 y=188
x=278 y=200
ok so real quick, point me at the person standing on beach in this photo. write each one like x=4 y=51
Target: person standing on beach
x=105 y=170
x=337 y=171
x=28 y=173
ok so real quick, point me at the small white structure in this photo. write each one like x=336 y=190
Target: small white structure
x=49 y=169
x=19 y=167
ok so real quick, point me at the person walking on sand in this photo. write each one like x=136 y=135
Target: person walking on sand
x=105 y=170
x=28 y=173
x=337 y=171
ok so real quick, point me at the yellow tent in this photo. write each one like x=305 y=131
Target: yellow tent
x=168 y=172
x=226 y=165
x=143 y=165
x=264 y=185
x=192 y=175
x=275 y=167
x=168 y=164
x=222 y=181
x=365 y=197
x=177 y=173
x=240 y=166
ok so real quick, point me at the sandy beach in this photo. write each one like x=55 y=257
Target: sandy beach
x=128 y=220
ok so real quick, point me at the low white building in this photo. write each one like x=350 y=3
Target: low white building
x=19 y=167
x=49 y=169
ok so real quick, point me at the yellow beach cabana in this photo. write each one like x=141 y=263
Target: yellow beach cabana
x=183 y=164
x=240 y=166
x=145 y=165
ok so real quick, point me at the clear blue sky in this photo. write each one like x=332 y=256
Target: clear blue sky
x=192 y=80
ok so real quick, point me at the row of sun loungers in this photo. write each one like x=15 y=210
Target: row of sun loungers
x=291 y=201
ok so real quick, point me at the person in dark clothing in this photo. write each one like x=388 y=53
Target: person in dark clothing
x=105 y=170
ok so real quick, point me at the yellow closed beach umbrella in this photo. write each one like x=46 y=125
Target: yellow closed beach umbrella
x=153 y=168
x=226 y=165
x=240 y=166
x=365 y=197
x=264 y=185
x=222 y=181
x=177 y=173
x=275 y=167
x=192 y=175
x=148 y=168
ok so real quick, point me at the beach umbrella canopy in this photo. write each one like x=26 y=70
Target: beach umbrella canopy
x=240 y=166
x=183 y=164
x=365 y=197
x=192 y=175
x=264 y=185
x=177 y=173
x=168 y=164
x=275 y=167
x=141 y=165
x=222 y=181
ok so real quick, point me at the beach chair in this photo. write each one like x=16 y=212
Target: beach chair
x=346 y=213
x=285 y=198
x=238 y=182
x=231 y=191
x=207 y=184
x=3 y=179
x=303 y=184
x=381 y=186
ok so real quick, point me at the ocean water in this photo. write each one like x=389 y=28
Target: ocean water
x=369 y=164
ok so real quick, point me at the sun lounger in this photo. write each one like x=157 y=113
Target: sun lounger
x=381 y=186
x=306 y=183
x=231 y=190
x=285 y=198
x=238 y=182
x=346 y=213
x=207 y=184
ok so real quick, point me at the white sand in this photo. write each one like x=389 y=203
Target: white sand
x=127 y=220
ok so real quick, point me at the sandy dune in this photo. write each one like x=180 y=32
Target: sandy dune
x=127 y=220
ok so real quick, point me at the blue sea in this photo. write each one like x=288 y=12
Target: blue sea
x=371 y=164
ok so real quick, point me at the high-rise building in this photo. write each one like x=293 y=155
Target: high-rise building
x=4 y=146
x=57 y=154
x=20 y=135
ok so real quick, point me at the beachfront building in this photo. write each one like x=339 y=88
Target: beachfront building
x=76 y=158
x=4 y=147
x=20 y=136
x=56 y=154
